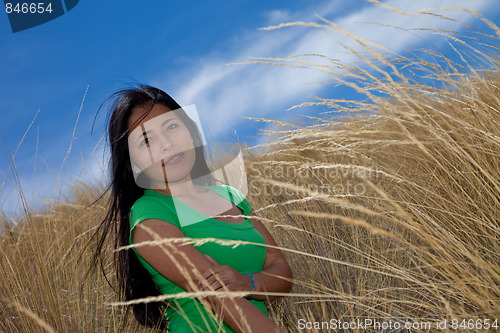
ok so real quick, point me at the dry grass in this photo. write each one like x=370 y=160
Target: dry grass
x=392 y=215
x=42 y=273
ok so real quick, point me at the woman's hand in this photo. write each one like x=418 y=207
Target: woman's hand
x=275 y=277
x=218 y=276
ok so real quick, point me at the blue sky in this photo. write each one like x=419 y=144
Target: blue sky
x=187 y=48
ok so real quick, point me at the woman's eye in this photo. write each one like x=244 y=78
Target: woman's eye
x=145 y=141
x=171 y=127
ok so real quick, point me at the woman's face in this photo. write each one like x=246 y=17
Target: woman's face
x=160 y=146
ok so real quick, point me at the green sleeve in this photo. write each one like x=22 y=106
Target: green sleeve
x=148 y=207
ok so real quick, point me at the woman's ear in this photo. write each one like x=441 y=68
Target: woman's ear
x=135 y=169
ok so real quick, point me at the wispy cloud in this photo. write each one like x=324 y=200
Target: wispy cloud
x=226 y=93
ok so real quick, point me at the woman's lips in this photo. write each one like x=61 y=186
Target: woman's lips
x=174 y=159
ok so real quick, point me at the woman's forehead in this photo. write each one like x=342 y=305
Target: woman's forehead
x=141 y=117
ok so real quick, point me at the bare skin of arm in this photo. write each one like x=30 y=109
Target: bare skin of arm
x=184 y=264
x=275 y=277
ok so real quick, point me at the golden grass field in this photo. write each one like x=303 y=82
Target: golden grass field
x=392 y=214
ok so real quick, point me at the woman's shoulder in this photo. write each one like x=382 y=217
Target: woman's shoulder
x=152 y=205
x=235 y=191
x=150 y=198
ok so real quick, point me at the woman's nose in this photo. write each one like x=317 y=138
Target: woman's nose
x=166 y=143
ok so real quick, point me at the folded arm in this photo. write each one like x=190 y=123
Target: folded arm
x=183 y=264
x=275 y=277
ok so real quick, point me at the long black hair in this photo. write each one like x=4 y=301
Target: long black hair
x=134 y=281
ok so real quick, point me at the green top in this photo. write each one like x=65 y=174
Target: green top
x=188 y=314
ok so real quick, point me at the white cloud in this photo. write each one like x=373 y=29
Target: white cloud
x=228 y=93
x=277 y=16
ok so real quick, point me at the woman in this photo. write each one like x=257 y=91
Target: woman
x=162 y=188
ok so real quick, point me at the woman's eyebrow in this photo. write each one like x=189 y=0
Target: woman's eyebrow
x=144 y=133
x=167 y=120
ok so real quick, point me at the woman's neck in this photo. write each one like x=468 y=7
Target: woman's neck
x=184 y=188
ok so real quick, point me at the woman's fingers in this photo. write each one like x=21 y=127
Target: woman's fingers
x=211 y=280
x=207 y=274
x=214 y=270
x=213 y=286
x=218 y=275
x=216 y=286
x=216 y=280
